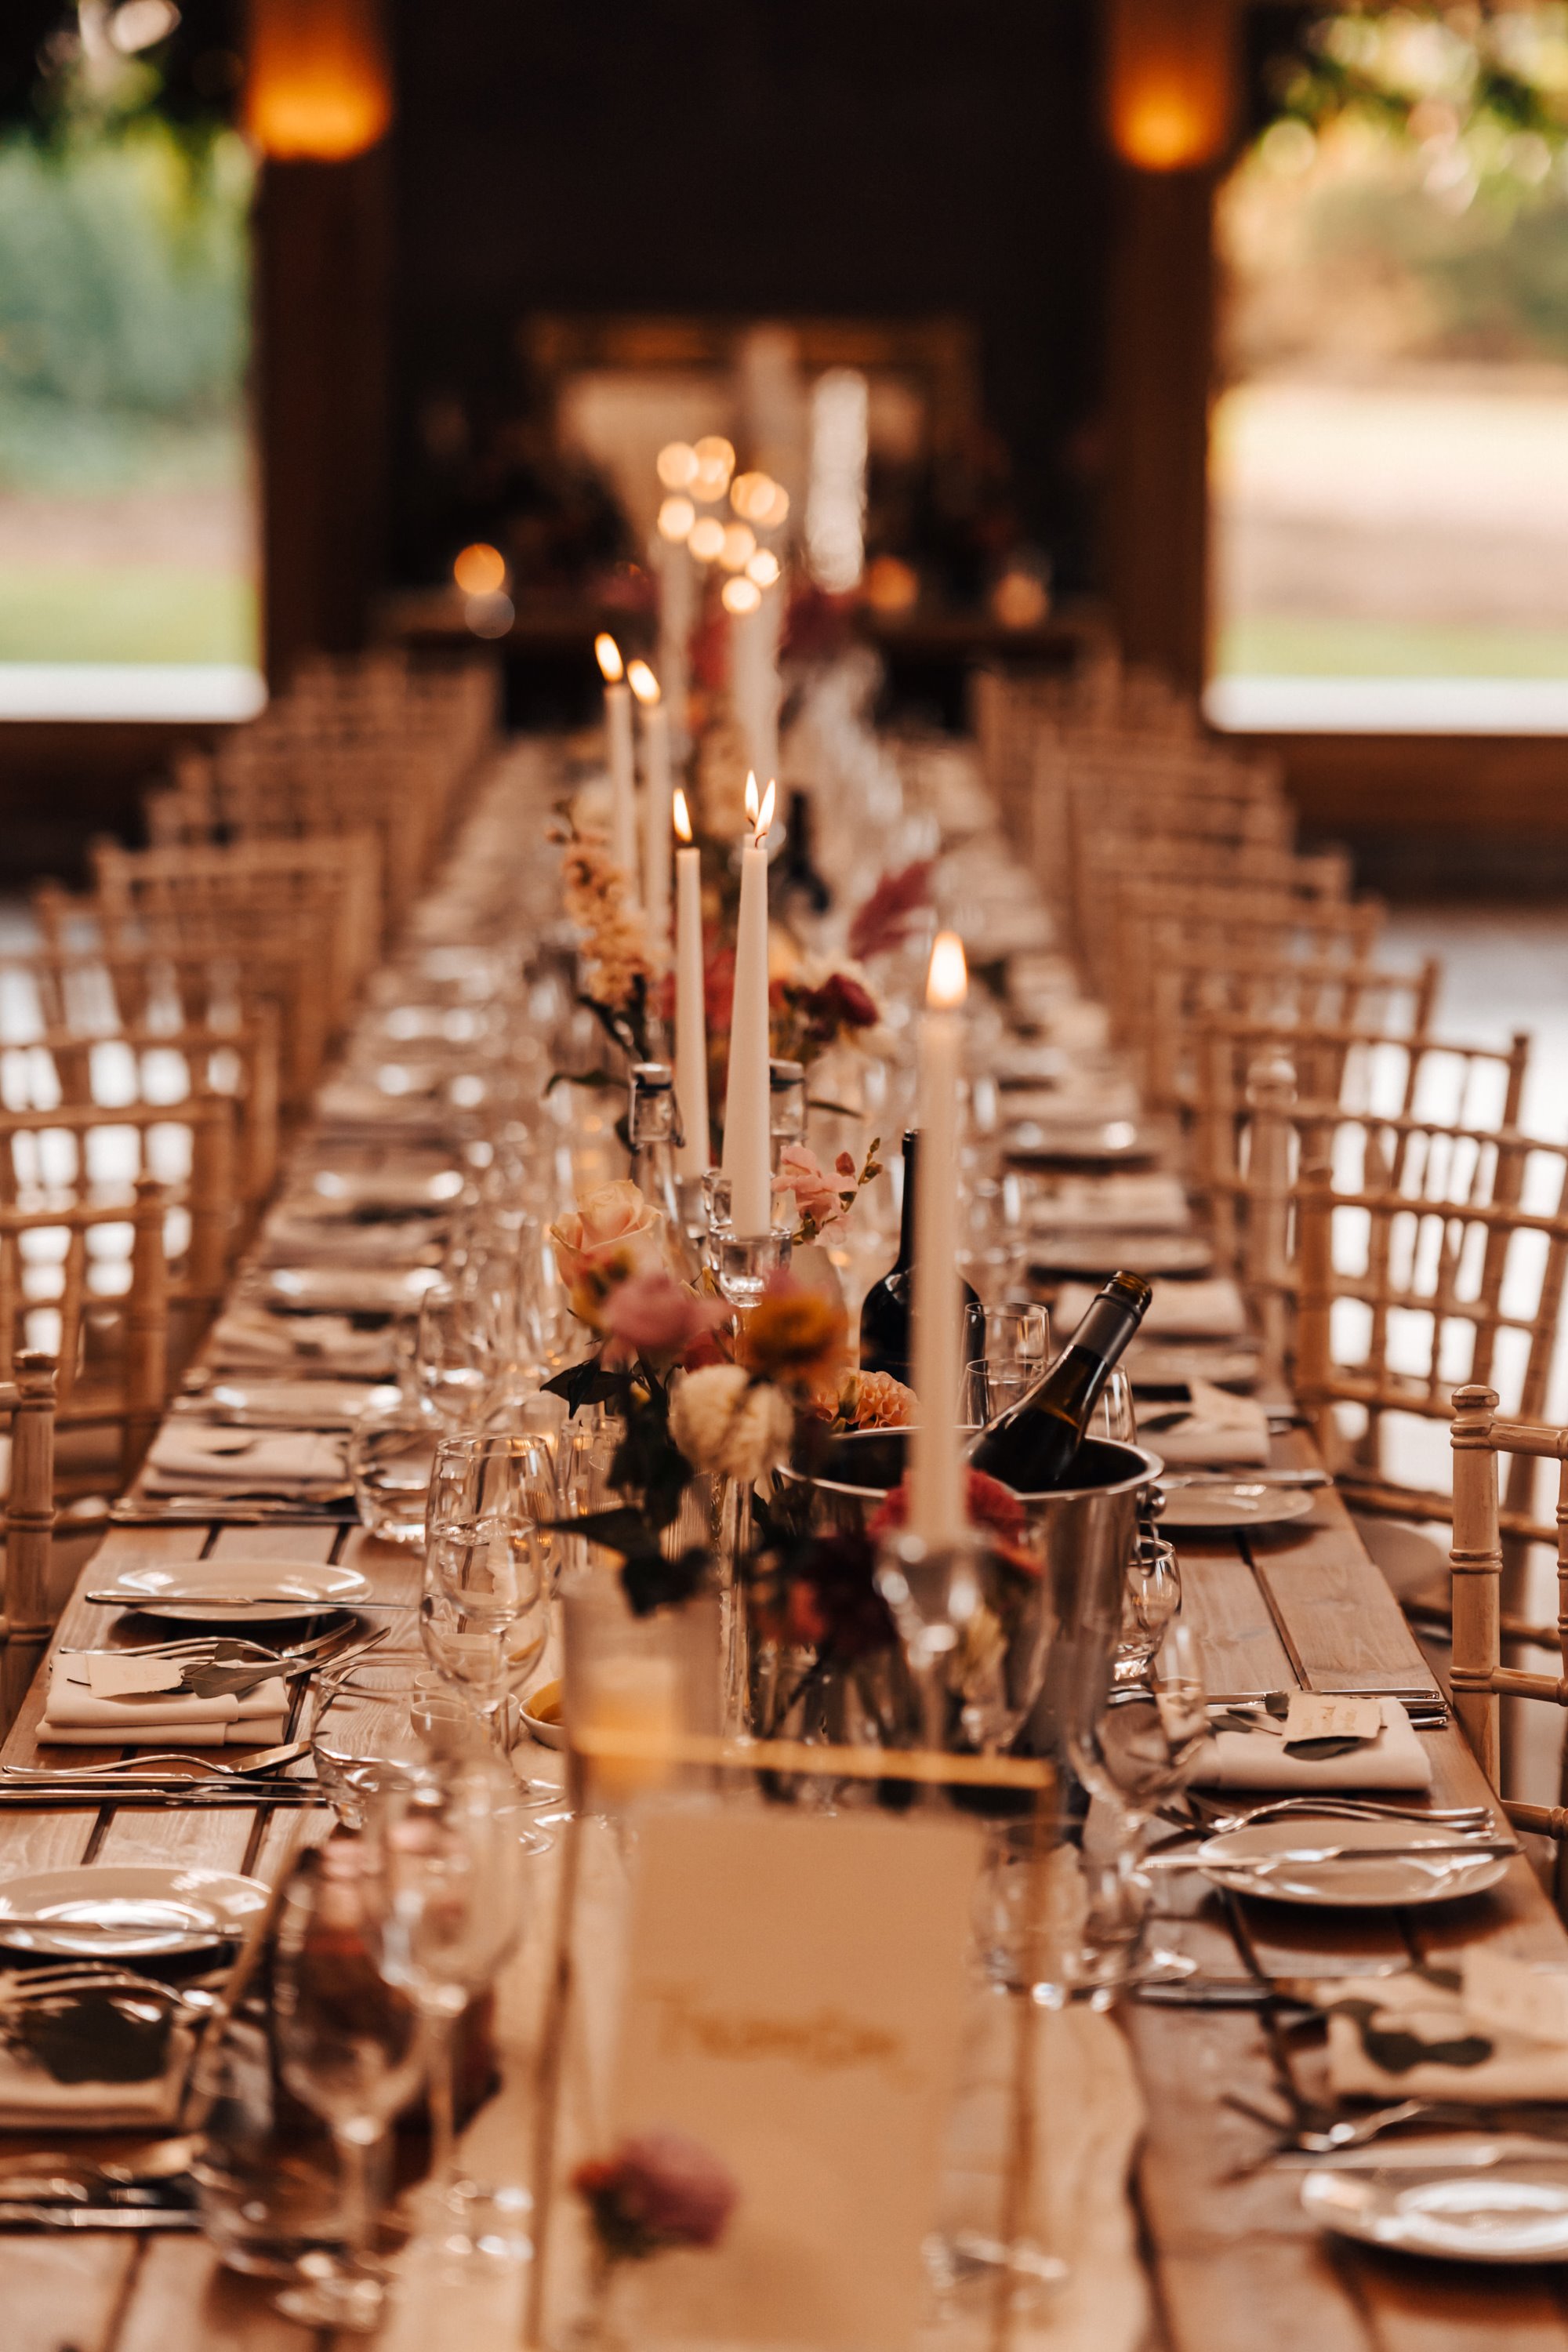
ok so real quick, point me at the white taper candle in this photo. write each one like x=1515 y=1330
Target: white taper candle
x=936 y=1468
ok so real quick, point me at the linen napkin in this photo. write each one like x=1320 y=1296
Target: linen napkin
x=1136 y=1200
x=247 y=1338
x=1213 y=1427
x=1257 y=1759
x=186 y=1453
x=1430 y=2035
x=77 y=1715
x=1210 y=1308
x=348 y=1290
x=40 y=2086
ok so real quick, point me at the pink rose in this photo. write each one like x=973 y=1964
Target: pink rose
x=653 y=1315
x=816 y=1196
x=605 y=1224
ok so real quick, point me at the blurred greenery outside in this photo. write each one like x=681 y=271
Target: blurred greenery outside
x=1400 y=231
x=125 y=533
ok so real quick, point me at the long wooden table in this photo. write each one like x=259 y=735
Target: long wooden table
x=1232 y=2261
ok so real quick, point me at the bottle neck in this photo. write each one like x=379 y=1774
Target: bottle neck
x=907 y=1213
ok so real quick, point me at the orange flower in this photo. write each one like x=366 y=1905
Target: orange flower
x=795 y=1337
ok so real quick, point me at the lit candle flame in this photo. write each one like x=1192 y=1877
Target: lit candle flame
x=741 y=595
x=752 y=801
x=682 y=816
x=947 y=983
x=608 y=656
x=643 y=683
x=675 y=517
x=765 y=816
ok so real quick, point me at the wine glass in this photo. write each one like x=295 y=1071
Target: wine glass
x=1115 y=1416
x=350 y=2048
x=455 y=1356
x=448 y=1912
x=380 y=1725
x=1152 y=1595
x=1134 y=1746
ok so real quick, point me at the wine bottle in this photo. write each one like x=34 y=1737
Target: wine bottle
x=800 y=888
x=1031 y=1447
x=885 y=1314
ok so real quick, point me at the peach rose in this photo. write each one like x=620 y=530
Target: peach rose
x=612 y=1233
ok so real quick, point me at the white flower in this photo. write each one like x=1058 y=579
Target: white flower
x=723 y=1421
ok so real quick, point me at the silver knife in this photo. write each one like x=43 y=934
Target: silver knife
x=98 y=2216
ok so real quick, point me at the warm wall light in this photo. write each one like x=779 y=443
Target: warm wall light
x=1171 y=81
x=480 y=570
x=318 y=86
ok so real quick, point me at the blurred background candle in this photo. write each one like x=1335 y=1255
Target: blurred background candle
x=622 y=773
x=690 y=1011
x=657 y=839
x=747 y=1138
x=936 y=1472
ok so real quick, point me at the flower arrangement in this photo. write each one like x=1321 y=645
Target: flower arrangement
x=819 y=1200
x=618 y=968
x=657 y=2193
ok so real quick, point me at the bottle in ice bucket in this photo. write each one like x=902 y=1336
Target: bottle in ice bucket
x=1033 y=1446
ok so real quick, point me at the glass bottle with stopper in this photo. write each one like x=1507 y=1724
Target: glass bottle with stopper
x=653 y=1133
x=885 y=1315
x=1032 y=1446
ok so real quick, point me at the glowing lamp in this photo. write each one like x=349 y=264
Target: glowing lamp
x=676 y=465
x=1171 y=81
x=480 y=570
x=318 y=86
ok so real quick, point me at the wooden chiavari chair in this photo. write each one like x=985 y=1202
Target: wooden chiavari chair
x=28 y=1614
x=106 y=1318
x=1483 y=1524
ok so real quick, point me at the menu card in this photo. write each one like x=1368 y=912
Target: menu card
x=796 y=2001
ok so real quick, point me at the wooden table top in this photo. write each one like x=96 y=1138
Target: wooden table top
x=1234 y=2264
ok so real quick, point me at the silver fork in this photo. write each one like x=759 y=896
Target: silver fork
x=268 y=1760
x=1350 y=1808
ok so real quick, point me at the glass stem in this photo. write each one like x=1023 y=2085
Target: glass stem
x=353 y=2143
x=442 y=2094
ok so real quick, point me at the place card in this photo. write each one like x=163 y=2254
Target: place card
x=1508 y=1996
x=1324 y=1714
x=121 y=1673
x=796 y=2001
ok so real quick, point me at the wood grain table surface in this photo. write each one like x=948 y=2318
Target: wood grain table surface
x=1233 y=2265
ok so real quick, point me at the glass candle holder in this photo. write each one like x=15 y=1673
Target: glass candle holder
x=742 y=1265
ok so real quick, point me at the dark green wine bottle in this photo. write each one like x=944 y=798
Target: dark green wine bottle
x=885 y=1315
x=1031 y=1447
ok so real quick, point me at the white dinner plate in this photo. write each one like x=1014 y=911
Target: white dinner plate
x=1173 y=1364
x=1102 y=1142
x=1515 y=2214
x=1243 y=1861
x=1101 y=1252
x=275 y=1590
x=123 y=1913
x=291 y=1405
x=348 y=1290
x=1226 y=1503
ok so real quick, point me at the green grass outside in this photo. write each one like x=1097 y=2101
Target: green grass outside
x=1282 y=646
x=139 y=613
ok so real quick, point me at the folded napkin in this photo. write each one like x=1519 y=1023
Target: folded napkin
x=1206 y=1309
x=290 y=1236
x=1257 y=1759
x=349 y=1289
x=186 y=1453
x=75 y=1715
x=32 y=2095
x=1137 y=1200
x=247 y=1338
x=1215 y=1427
x=1425 y=2036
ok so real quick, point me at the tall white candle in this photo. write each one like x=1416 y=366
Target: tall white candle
x=747 y=1140
x=690 y=1006
x=656 y=803
x=622 y=772
x=936 y=1469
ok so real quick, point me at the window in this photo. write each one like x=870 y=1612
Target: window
x=1389 y=454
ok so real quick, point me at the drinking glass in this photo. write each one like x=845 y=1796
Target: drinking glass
x=1153 y=1594
x=380 y=1725
x=448 y=1882
x=990 y=1243
x=1115 y=1416
x=351 y=2049
x=455 y=1356
x=1134 y=1746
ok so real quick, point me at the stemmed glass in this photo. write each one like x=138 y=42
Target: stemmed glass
x=1134 y=1747
x=351 y=2049
x=448 y=1912
x=455 y=1356
x=484 y=1610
